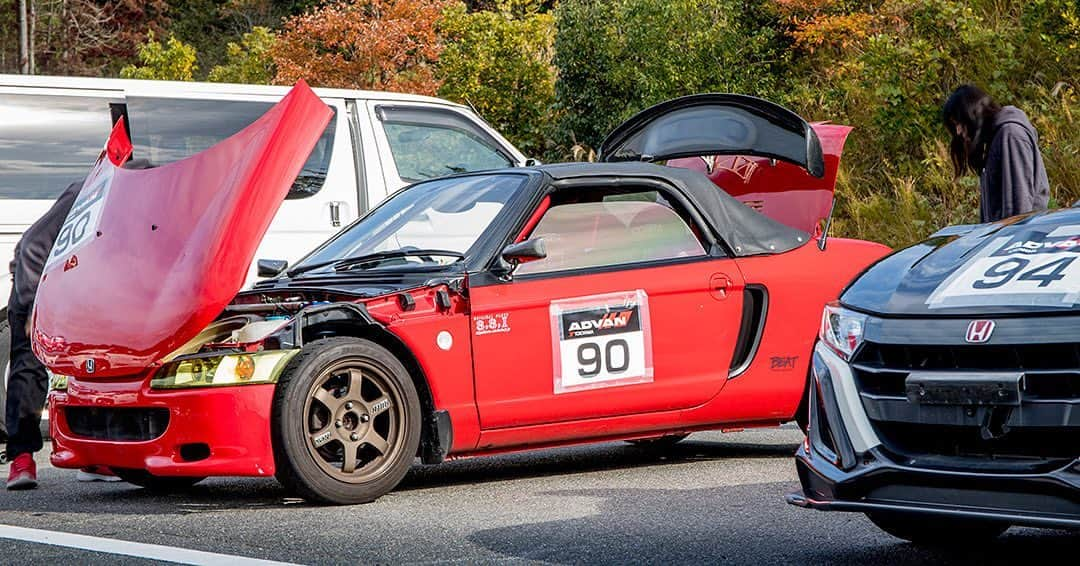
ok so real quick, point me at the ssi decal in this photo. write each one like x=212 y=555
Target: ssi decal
x=82 y=222
x=1035 y=268
x=601 y=341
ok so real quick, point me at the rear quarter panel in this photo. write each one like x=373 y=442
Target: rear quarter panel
x=799 y=283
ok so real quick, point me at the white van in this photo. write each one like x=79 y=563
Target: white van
x=52 y=129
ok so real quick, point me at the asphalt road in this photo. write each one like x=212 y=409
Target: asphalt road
x=715 y=498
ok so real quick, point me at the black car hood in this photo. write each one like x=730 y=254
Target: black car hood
x=947 y=275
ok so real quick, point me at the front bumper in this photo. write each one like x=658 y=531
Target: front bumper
x=222 y=431
x=843 y=467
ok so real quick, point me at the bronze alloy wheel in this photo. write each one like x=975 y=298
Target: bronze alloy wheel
x=354 y=420
x=345 y=424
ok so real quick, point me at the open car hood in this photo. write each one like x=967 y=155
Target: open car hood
x=757 y=151
x=147 y=258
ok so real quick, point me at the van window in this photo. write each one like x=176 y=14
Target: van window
x=48 y=142
x=432 y=142
x=164 y=130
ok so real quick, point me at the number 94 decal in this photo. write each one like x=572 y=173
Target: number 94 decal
x=1034 y=268
x=601 y=341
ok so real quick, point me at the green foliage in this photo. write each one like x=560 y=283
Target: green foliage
x=173 y=61
x=898 y=185
x=249 y=61
x=500 y=63
x=617 y=57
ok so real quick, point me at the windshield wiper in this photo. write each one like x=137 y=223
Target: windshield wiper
x=344 y=263
x=380 y=256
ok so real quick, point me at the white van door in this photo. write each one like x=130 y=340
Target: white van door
x=423 y=141
x=322 y=200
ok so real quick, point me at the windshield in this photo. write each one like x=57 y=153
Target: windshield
x=448 y=215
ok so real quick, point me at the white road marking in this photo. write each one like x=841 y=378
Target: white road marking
x=125 y=548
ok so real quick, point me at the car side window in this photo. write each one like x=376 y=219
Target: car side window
x=49 y=142
x=431 y=142
x=612 y=230
x=165 y=130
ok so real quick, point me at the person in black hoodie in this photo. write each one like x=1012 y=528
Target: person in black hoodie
x=27 y=378
x=1002 y=147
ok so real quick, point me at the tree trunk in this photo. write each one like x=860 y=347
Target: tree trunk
x=24 y=39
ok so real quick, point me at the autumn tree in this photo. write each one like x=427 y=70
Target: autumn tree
x=500 y=62
x=248 y=61
x=172 y=60
x=368 y=44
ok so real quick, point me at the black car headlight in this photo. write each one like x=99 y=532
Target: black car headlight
x=842 y=329
x=217 y=371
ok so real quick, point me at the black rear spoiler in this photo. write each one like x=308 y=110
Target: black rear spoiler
x=716 y=124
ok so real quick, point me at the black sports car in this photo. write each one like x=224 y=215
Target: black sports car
x=946 y=397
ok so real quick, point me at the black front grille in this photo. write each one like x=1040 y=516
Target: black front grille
x=1049 y=389
x=120 y=425
x=971 y=357
x=1029 y=443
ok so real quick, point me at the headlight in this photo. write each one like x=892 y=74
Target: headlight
x=232 y=369
x=841 y=329
x=57 y=382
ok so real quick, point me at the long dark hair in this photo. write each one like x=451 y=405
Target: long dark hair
x=970 y=107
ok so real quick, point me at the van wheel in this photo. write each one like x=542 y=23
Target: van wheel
x=150 y=482
x=346 y=422
x=937 y=531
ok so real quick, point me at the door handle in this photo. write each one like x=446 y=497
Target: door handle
x=335 y=213
x=719 y=285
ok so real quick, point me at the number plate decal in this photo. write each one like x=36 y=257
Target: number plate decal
x=1033 y=269
x=80 y=226
x=601 y=341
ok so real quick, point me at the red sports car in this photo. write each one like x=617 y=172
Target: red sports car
x=466 y=315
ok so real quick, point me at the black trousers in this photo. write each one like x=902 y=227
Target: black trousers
x=28 y=382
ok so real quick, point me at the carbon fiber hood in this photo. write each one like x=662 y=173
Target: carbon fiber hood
x=1026 y=264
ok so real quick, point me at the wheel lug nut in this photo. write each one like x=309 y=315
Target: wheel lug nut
x=348 y=406
x=364 y=418
x=354 y=437
x=338 y=423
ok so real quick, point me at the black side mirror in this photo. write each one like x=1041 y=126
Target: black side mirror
x=521 y=252
x=271 y=267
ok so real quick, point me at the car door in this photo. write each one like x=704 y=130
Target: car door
x=626 y=314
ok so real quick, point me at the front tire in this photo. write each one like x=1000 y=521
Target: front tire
x=157 y=484
x=937 y=531
x=346 y=422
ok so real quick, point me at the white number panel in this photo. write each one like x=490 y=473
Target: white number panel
x=82 y=222
x=1033 y=269
x=601 y=341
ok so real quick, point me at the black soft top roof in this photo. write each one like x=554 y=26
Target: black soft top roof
x=744 y=230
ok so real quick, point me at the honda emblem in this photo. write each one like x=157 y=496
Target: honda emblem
x=979 y=331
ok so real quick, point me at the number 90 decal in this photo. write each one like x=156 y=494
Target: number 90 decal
x=601 y=341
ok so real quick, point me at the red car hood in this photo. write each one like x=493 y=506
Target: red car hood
x=780 y=190
x=147 y=258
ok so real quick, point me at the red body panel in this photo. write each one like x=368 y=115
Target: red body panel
x=233 y=421
x=693 y=338
x=782 y=191
x=172 y=246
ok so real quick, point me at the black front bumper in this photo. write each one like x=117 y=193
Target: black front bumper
x=837 y=476
x=1048 y=500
